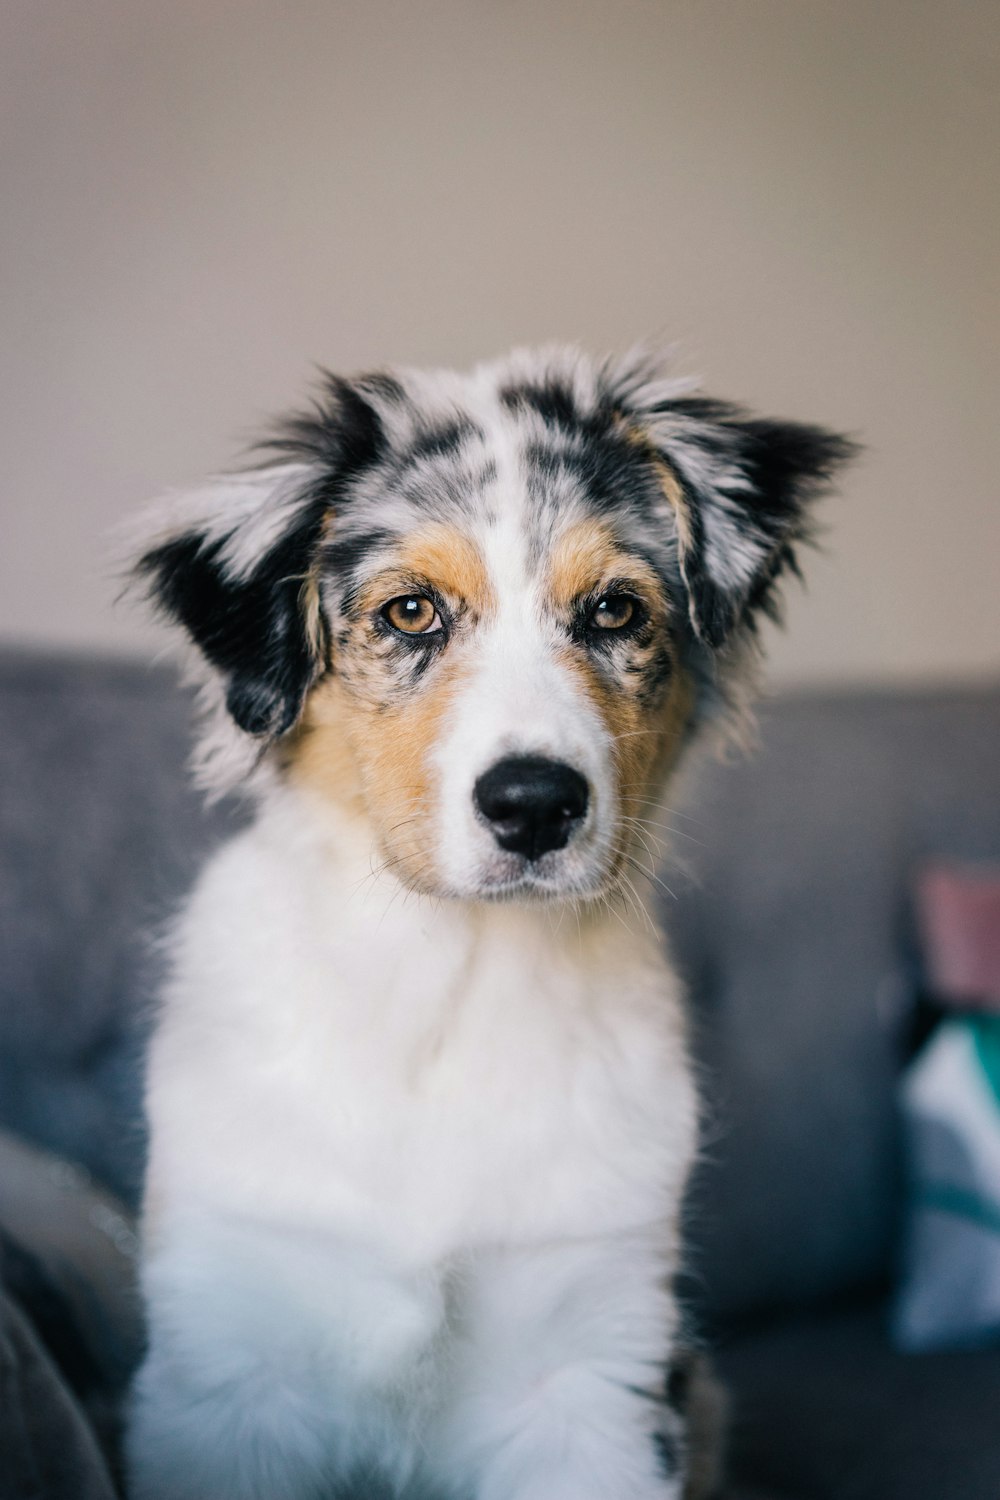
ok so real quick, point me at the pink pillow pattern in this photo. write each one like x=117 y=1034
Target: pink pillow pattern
x=959 y=911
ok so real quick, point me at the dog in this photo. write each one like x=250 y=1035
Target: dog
x=421 y=1110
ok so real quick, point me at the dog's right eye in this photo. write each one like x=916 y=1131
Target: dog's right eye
x=412 y=614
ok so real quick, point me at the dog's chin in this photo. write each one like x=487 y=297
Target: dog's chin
x=495 y=876
x=562 y=876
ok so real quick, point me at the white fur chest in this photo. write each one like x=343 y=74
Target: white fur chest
x=337 y=1057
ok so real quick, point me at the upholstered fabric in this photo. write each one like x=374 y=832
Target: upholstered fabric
x=793 y=928
x=823 y=1408
x=47 y=1445
x=70 y=1330
x=99 y=837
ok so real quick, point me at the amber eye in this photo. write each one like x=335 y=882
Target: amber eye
x=613 y=612
x=412 y=614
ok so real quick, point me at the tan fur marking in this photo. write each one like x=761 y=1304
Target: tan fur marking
x=368 y=749
x=374 y=761
x=318 y=752
x=671 y=487
x=674 y=719
x=443 y=556
x=310 y=605
x=645 y=755
x=587 y=555
x=398 y=779
x=584 y=555
x=646 y=741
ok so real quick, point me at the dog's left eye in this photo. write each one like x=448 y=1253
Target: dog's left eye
x=613 y=612
x=412 y=614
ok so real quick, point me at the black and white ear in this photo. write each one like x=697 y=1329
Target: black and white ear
x=236 y=562
x=233 y=563
x=742 y=496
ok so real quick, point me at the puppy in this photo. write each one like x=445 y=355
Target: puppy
x=421 y=1109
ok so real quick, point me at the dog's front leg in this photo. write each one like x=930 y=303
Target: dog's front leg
x=559 y=1376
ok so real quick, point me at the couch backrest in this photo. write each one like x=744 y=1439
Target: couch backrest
x=794 y=933
x=99 y=837
x=789 y=925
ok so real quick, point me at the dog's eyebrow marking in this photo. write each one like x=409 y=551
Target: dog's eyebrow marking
x=440 y=555
x=586 y=555
x=583 y=557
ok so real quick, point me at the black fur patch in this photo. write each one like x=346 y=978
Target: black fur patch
x=441 y=441
x=610 y=472
x=340 y=433
x=253 y=628
x=788 y=464
x=344 y=555
x=551 y=398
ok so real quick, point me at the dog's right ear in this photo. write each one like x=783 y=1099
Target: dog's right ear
x=235 y=562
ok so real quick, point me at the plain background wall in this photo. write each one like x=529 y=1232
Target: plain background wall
x=202 y=199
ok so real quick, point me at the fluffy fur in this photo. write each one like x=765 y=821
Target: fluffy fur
x=420 y=1134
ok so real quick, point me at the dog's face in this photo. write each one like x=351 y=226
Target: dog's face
x=487 y=611
x=503 y=673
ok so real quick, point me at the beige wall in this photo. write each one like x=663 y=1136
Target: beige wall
x=200 y=198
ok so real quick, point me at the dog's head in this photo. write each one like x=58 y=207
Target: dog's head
x=487 y=611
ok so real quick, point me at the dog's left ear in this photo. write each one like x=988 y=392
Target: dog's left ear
x=741 y=488
x=235 y=562
x=231 y=564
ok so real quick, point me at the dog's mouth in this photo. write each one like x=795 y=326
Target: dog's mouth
x=555 y=878
x=580 y=872
x=533 y=884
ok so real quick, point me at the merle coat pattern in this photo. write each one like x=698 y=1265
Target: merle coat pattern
x=420 y=1104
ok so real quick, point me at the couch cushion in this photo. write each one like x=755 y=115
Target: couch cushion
x=824 y=1408
x=99 y=835
x=791 y=926
x=46 y=1441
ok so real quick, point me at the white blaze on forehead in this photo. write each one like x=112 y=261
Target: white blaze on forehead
x=517 y=697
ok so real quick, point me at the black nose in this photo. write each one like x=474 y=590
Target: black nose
x=531 y=804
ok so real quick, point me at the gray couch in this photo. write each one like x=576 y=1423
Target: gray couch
x=791 y=925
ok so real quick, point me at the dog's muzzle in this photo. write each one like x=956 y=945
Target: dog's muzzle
x=531 y=805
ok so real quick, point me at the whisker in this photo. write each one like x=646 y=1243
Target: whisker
x=631 y=823
x=640 y=907
x=648 y=875
x=633 y=788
